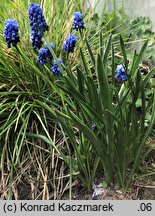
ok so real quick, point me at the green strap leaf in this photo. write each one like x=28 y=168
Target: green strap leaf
x=123 y=52
x=137 y=59
x=90 y=53
x=148 y=76
x=104 y=88
x=88 y=133
x=106 y=53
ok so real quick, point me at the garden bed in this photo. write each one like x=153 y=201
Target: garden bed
x=77 y=103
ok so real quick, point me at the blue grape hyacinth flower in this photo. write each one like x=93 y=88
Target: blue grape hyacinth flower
x=78 y=21
x=55 y=68
x=45 y=55
x=11 y=33
x=94 y=127
x=70 y=43
x=121 y=73
x=38 y=25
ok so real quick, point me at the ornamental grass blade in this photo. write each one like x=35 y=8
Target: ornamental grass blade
x=20 y=139
x=51 y=144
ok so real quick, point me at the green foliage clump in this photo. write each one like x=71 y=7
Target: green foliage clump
x=55 y=129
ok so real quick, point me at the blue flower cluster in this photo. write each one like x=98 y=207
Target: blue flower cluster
x=121 y=73
x=45 y=55
x=70 y=43
x=78 y=21
x=55 y=68
x=11 y=33
x=38 y=25
x=94 y=127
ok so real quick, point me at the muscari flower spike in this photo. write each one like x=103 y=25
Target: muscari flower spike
x=121 y=73
x=38 y=25
x=55 y=68
x=11 y=33
x=70 y=43
x=78 y=21
x=45 y=55
x=94 y=127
